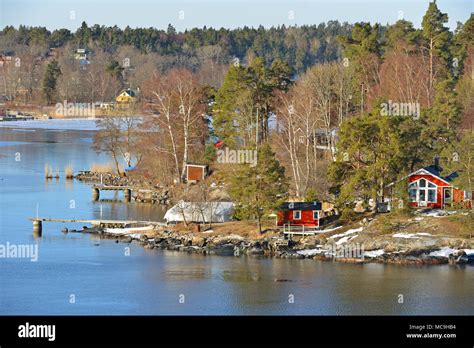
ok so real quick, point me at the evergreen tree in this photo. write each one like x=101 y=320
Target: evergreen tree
x=260 y=189
x=50 y=79
x=459 y=157
x=372 y=152
x=115 y=70
x=463 y=42
x=245 y=100
x=225 y=109
x=83 y=34
x=436 y=41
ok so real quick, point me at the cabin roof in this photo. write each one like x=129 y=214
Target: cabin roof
x=129 y=92
x=197 y=165
x=301 y=206
x=436 y=171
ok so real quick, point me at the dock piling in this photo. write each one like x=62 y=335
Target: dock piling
x=37 y=228
x=128 y=195
x=95 y=194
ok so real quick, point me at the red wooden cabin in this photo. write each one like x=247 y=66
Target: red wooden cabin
x=428 y=189
x=299 y=214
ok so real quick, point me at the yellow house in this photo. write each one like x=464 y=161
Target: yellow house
x=127 y=96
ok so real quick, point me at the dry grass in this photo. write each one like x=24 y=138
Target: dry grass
x=48 y=171
x=69 y=171
x=102 y=168
x=457 y=226
x=246 y=229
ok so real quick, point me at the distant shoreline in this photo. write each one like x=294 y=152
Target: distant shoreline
x=86 y=124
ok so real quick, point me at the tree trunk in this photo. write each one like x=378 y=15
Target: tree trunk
x=117 y=167
x=259 y=225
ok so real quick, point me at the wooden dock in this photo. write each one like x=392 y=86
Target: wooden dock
x=96 y=188
x=38 y=223
x=111 y=187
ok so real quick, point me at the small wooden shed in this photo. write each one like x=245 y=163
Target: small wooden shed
x=196 y=172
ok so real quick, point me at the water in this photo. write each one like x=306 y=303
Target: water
x=80 y=274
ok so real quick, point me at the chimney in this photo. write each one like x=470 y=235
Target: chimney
x=436 y=163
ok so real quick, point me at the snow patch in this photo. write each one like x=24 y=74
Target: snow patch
x=411 y=235
x=443 y=252
x=469 y=251
x=331 y=229
x=439 y=213
x=310 y=252
x=374 y=253
x=351 y=231
x=57 y=124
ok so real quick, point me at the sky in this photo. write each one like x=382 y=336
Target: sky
x=186 y=14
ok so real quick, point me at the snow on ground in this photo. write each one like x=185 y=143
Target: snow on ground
x=469 y=251
x=331 y=229
x=345 y=239
x=351 y=231
x=54 y=124
x=411 y=235
x=311 y=252
x=129 y=231
x=443 y=252
x=438 y=212
x=374 y=253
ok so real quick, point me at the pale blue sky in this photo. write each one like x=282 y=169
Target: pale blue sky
x=55 y=14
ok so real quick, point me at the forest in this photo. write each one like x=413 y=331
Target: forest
x=311 y=100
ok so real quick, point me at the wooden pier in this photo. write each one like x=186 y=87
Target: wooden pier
x=127 y=190
x=38 y=223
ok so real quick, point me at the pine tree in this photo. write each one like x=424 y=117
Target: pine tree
x=459 y=157
x=373 y=151
x=115 y=70
x=245 y=101
x=260 y=189
x=50 y=79
x=463 y=42
x=436 y=41
x=225 y=109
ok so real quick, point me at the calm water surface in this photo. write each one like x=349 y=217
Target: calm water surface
x=103 y=280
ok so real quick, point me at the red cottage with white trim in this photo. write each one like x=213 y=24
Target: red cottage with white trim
x=299 y=214
x=428 y=189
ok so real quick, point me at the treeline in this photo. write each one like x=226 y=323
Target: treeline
x=399 y=97
x=300 y=46
x=327 y=134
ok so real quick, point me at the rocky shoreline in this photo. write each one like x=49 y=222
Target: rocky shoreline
x=363 y=244
x=317 y=247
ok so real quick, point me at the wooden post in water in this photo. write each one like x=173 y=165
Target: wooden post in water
x=128 y=195
x=37 y=228
x=95 y=194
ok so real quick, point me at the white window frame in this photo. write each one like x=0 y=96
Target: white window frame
x=294 y=214
x=317 y=213
x=426 y=189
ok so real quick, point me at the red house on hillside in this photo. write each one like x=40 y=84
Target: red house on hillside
x=299 y=214
x=429 y=189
